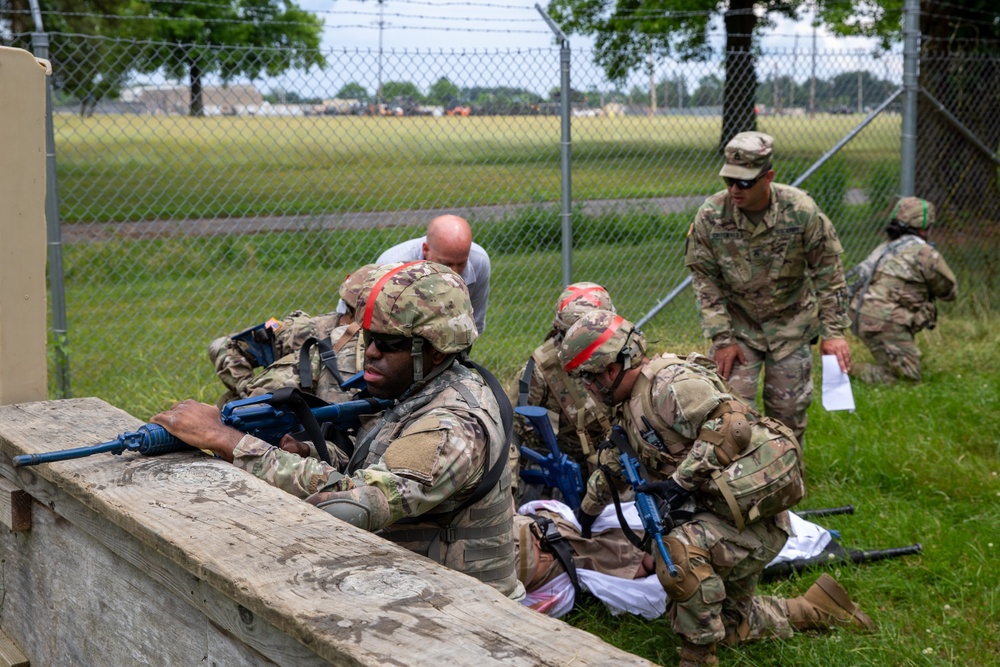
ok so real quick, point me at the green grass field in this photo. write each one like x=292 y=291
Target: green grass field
x=118 y=168
x=920 y=463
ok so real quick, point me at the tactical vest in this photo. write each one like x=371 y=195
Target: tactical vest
x=763 y=470
x=476 y=540
x=579 y=407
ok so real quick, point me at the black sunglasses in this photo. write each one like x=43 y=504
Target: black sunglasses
x=744 y=184
x=385 y=344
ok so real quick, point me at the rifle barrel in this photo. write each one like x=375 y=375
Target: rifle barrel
x=65 y=455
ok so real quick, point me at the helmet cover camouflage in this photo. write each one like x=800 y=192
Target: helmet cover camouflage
x=418 y=298
x=748 y=155
x=914 y=212
x=350 y=289
x=577 y=299
x=597 y=339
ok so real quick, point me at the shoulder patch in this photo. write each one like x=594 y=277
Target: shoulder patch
x=415 y=454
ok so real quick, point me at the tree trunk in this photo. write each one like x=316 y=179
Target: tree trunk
x=197 y=103
x=738 y=113
x=964 y=76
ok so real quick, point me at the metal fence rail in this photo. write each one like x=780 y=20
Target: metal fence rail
x=176 y=229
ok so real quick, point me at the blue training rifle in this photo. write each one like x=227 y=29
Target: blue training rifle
x=556 y=469
x=254 y=416
x=652 y=520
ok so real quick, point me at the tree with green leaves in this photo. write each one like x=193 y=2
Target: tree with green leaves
x=353 y=91
x=629 y=32
x=230 y=38
x=93 y=52
x=959 y=42
x=443 y=92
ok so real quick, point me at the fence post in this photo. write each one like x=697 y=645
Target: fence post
x=57 y=284
x=911 y=86
x=565 y=146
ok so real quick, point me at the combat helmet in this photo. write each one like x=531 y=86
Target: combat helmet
x=578 y=299
x=419 y=300
x=914 y=212
x=350 y=289
x=597 y=340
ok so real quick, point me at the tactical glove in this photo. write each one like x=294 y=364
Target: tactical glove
x=586 y=522
x=672 y=493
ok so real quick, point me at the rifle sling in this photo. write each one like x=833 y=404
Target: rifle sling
x=298 y=402
x=327 y=357
x=626 y=529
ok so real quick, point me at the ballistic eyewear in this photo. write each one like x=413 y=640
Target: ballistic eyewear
x=742 y=183
x=385 y=343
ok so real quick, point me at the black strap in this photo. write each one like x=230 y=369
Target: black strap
x=301 y=404
x=524 y=384
x=626 y=529
x=327 y=357
x=554 y=542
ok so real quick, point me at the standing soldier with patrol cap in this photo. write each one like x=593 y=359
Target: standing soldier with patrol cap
x=893 y=292
x=431 y=472
x=766 y=270
x=697 y=442
x=583 y=422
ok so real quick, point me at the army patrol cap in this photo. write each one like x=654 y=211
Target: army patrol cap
x=597 y=340
x=418 y=299
x=350 y=289
x=578 y=299
x=748 y=155
x=914 y=212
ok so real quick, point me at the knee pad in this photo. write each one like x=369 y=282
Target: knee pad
x=689 y=576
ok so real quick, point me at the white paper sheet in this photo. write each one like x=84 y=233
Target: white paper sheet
x=837 y=394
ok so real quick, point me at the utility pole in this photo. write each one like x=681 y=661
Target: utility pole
x=381 y=24
x=791 y=87
x=652 y=86
x=812 y=79
x=861 y=96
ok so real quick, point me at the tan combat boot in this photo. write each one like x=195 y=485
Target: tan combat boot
x=825 y=605
x=698 y=655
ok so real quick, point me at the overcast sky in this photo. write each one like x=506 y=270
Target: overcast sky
x=494 y=24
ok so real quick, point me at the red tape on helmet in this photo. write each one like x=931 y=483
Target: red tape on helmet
x=366 y=322
x=603 y=338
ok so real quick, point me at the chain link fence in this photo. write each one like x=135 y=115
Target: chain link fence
x=179 y=228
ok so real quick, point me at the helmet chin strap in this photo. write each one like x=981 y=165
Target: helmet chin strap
x=417 y=352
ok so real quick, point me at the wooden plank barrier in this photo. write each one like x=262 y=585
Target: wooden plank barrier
x=185 y=560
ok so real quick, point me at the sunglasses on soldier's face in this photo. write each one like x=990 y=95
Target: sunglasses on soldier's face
x=742 y=183
x=385 y=344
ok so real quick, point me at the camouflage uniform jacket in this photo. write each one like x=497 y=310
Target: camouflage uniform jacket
x=773 y=286
x=421 y=459
x=285 y=372
x=583 y=422
x=681 y=398
x=235 y=369
x=904 y=284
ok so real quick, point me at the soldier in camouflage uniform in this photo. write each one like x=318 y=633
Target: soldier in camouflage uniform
x=581 y=421
x=431 y=472
x=331 y=341
x=893 y=291
x=766 y=270
x=700 y=428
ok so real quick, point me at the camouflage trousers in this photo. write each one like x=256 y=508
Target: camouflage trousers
x=724 y=607
x=895 y=352
x=788 y=385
